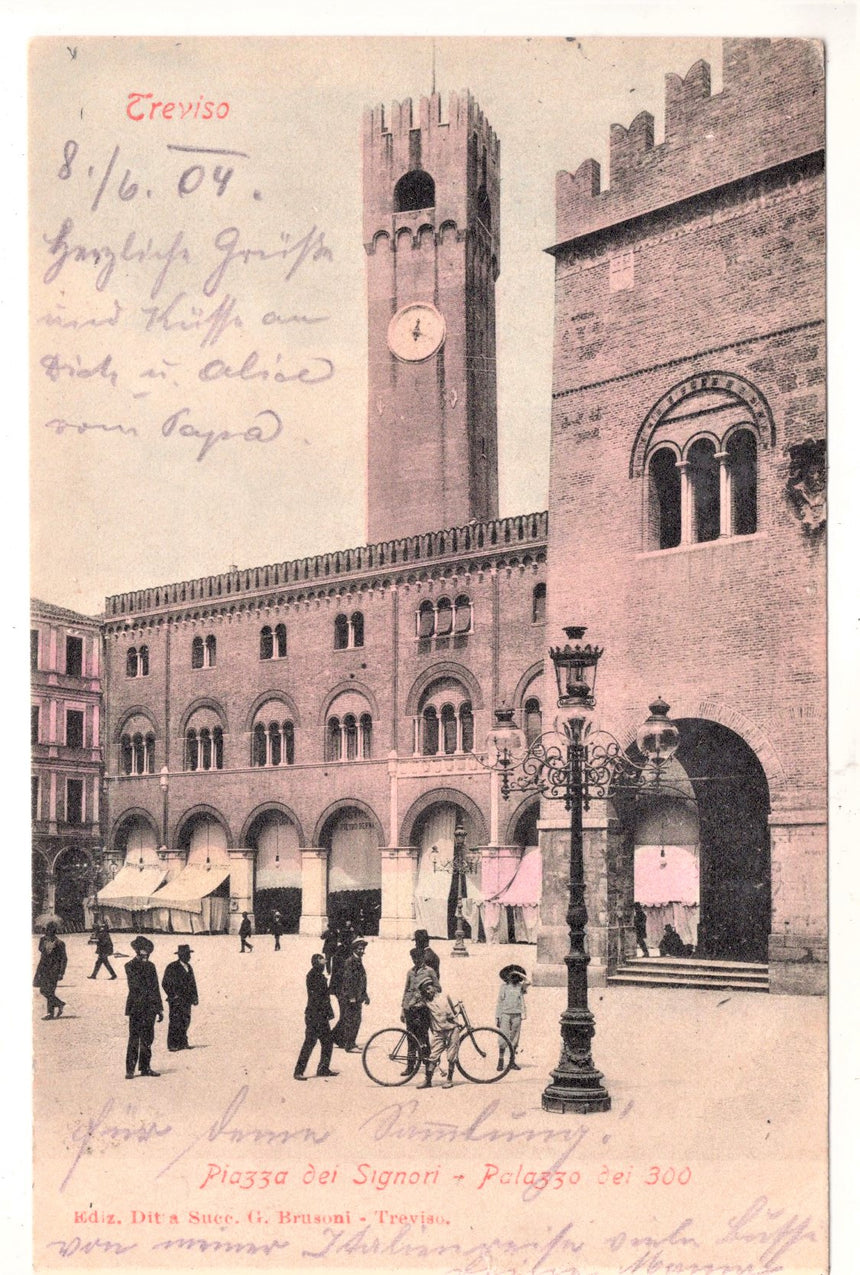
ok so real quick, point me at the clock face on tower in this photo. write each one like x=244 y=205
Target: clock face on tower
x=416 y=332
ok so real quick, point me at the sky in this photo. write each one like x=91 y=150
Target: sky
x=133 y=503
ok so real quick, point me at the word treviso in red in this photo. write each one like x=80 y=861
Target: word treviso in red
x=145 y=106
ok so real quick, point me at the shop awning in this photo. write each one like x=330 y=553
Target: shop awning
x=187 y=891
x=131 y=887
x=524 y=890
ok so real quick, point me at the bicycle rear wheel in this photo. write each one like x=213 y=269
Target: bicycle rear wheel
x=484 y=1055
x=391 y=1056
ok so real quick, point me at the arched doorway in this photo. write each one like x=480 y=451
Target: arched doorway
x=39 y=881
x=197 y=900
x=354 y=868
x=124 y=901
x=437 y=886
x=278 y=870
x=73 y=874
x=711 y=833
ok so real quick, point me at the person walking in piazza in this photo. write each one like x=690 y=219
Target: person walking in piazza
x=180 y=988
x=352 y=996
x=245 y=931
x=318 y=1013
x=414 y=1012
x=277 y=930
x=429 y=957
x=104 y=949
x=143 y=1007
x=511 y=1009
x=444 y=1033
x=50 y=970
x=639 y=926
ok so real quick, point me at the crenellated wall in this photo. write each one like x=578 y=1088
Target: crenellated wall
x=770 y=110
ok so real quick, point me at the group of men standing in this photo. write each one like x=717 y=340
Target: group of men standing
x=349 y=983
x=144 y=1006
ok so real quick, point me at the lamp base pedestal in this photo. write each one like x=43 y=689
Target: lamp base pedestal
x=577 y=1085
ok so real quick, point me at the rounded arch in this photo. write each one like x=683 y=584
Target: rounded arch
x=76 y=853
x=266 y=697
x=450 y=796
x=702 y=436
x=347 y=684
x=134 y=814
x=269 y=807
x=203 y=702
x=136 y=710
x=730 y=384
x=724 y=715
x=445 y=668
x=347 y=803
x=182 y=825
x=529 y=805
x=382 y=239
x=532 y=673
x=415 y=189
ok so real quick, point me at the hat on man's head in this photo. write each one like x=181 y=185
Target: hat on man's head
x=140 y=944
x=184 y=948
x=359 y=942
x=511 y=971
x=51 y=927
x=421 y=936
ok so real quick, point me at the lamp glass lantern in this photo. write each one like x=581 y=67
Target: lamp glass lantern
x=658 y=737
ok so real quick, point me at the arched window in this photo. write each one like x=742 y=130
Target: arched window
x=414 y=190
x=366 y=742
x=742 y=470
x=444 y=724
x=664 y=499
x=332 y=739
x=701 y=471
x=149 y=758
x=341 y=633
x=462 y=615
x=349 y=729
x=139 y=756
x=126 y=755
x=426 y=619
x=258 y=745
x=204 y=742
x=209 y=656
x=448 y=718
x=444 y=617
x=532 y=720
x=539 y=604
x=266 y=643
x=704 y=477
x=272 y=740
x=356 y=628
x=197 y=653
x=430 y=733
x=280 y=641
x=131 y=662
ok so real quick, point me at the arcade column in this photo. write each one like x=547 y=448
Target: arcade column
x=241 y=886
x=314 y=891
x=399 y=868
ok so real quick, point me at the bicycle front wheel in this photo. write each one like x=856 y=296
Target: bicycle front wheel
x=391 y=1056
x=484 y=1055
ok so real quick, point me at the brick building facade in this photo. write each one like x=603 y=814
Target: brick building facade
x=687 y=487
x=305 y=735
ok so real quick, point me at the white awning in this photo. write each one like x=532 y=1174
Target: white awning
x=188 y=890
x=131 y=887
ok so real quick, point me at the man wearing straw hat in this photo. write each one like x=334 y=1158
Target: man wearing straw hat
x=180 y=988
x=143 y=1006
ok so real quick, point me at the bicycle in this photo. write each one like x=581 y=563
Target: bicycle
x=394 y=1056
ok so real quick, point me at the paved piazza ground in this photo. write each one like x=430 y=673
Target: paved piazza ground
x=713 y=1157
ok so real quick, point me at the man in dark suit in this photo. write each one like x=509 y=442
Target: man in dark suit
x=317 y=1014
x=180 y=988
x=143 y=1006
x=277 y=929
x=351 y=995
x=104 y=949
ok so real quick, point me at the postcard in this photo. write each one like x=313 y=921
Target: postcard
x=428 y=664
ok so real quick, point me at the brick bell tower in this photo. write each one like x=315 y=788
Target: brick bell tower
x=431 y=234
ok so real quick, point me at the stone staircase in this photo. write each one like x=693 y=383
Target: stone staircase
x=690 y=971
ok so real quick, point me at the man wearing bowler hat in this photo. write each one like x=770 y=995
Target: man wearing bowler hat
x=143 y=1006
x=180 y=988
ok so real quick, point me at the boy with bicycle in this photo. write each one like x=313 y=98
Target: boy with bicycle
x=444 y=1033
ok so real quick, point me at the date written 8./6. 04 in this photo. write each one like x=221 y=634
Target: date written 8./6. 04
x=654 y=1175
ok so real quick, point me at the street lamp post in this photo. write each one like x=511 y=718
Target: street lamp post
x=164 y=781
x=459 y=864
x=573 y=769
